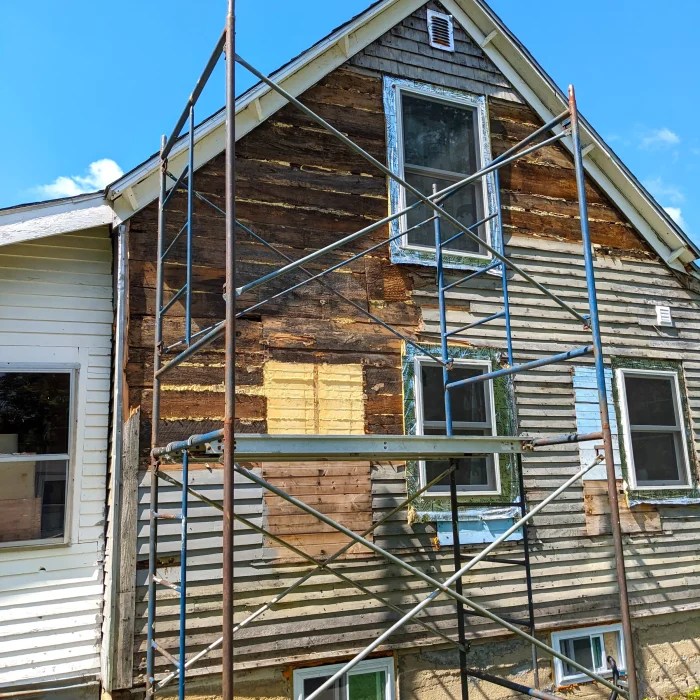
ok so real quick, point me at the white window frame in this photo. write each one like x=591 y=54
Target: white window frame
x=478 y=103
x=599 y=631
x=385 y=664
x=627 y=432
x=72 y=370
x=421 y=360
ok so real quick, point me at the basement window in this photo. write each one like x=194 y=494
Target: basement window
x=437 y=137
x=35 y=440
x=590 y=647
x=472 y=414
x=369 y=680
x=654 y=438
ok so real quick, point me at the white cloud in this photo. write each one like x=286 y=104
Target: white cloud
x=659 y=138
x=663 y=191
x=677 y=215
x=99 y=174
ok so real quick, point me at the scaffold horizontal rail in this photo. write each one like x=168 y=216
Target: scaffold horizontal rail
x=300 y=448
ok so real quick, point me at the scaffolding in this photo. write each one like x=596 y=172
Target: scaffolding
x=243 y=448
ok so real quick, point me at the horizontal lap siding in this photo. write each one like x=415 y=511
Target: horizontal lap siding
x=56 y=298
x=300 y=189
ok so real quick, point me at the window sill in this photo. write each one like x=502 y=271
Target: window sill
x=406 y=255
x=33 y=544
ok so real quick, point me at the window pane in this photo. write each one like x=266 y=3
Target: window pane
x=468 y=402
x=332 y=693
x=656 y=457
x=474 y=473
x=578 y=649
x=367 y=686
x=650 y=400
x=32 y=500
x=439 y=135
x=464 y=205
x=34 y=412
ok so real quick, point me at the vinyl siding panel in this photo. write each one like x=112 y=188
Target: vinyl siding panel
x=56 y=306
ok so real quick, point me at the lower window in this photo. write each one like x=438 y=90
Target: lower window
x=35 y=438
x=369 y=680
x=473 y=413
x=590 y=647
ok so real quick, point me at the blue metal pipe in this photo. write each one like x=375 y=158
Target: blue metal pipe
x=176 y=186
x=480 y=322
x=456 y=553
x=193 y=441
x=174 y=241
x=561 y=357
x=504 y=270
x=173 y=299
x=183 y=577
x=478 y=273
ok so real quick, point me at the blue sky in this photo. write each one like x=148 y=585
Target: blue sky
x=89 y=87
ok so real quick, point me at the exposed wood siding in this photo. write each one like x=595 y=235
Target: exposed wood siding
x=56 y=306
x=300 y=189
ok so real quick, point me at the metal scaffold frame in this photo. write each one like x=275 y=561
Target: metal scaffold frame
x=240 y=449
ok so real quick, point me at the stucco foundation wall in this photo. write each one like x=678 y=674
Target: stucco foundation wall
x=668 y=659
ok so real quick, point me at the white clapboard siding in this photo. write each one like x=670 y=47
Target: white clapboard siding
x=56 y=307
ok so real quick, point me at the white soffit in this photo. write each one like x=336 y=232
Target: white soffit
x=52 y=218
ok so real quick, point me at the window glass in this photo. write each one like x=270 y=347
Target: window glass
x=440 y=147
x=367 y=686
x=332 y=693
x=463 y=205
x=34 y=412
x=656 y=457
x=654 y=431
x=34 y=443
x=650 y=400
x=580 y=649
x=471 y=415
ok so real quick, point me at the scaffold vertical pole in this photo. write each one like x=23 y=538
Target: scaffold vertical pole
x=603 y=401
x=230 y=349
x=445 y=357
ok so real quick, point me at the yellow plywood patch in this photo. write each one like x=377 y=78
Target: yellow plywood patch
x=309 y=398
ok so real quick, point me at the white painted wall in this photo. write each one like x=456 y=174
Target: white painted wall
x=56 y=307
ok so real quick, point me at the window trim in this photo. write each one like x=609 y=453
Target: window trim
x=599 y=630
x=401 y=251
x=420 y=360
x=385 y=664
x=73 y=370
x=620 y=374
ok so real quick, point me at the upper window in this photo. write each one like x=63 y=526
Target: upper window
x=438 y=137
x=654 y=435
x=369 y=680
x=589 y=647
x=472 y=409
x=35 y=440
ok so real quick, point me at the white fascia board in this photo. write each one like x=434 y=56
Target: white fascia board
x=537 y=90
x=259 y=103
x=46 y=219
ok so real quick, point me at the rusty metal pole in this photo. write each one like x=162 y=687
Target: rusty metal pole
x=230 y=346
x=603 y=402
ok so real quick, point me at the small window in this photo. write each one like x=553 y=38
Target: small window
x=472 y=414
x=35 y=440
x=591 y=648
x=654 y=435
x=369 y=680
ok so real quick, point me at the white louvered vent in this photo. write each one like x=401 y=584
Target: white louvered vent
x=663 y=316
x=441 y=31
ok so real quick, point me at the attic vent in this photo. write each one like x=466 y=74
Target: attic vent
x=441 y=31
x=663 y=316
